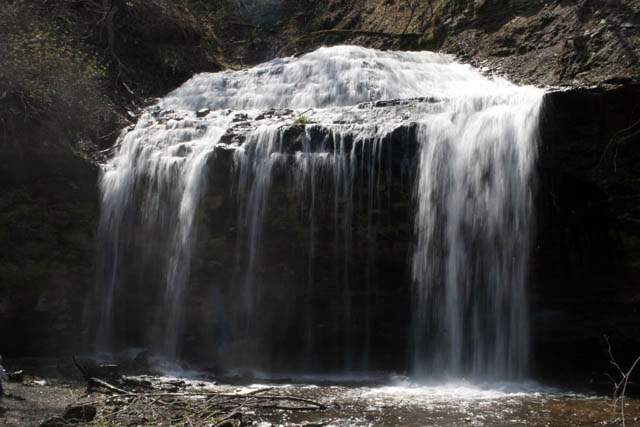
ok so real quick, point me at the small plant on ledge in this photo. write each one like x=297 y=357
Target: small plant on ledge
x=301 y=120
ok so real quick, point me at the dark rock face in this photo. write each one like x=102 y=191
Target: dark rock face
x=586 y=275
x=260 y=12
x=303 y=285
x=48 y=209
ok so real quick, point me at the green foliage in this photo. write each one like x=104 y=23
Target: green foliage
x=46 y=69
x=301 y=120
x=105 y=422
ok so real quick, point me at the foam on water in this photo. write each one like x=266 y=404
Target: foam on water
x=335 y=76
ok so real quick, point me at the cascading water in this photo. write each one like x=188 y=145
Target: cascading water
x=154 y=182
x=476 y=150
x=473 y=229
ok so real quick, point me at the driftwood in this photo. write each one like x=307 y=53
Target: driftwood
x=197 y=407
x=318 y=405
x=81 y=368
x=125 y=403
x=248 y=396
x=137 y=382
x=98 y=382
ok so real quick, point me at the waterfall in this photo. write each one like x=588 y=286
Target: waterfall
x=331 y=128
x=474 y=220
x=254 y=163
x=155 y=183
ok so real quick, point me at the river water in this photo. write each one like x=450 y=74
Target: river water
x=452 y=404
x=360 y=400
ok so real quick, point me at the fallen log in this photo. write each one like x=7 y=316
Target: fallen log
x=98 y=382
x=269 y=397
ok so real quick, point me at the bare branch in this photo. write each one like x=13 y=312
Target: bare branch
x=620 y=386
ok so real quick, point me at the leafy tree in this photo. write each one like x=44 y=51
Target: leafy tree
x=46 y=70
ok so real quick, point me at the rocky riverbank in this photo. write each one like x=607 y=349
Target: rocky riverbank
x=53 y=398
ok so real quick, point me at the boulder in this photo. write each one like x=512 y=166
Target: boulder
x=80 y=413
x=16 y=376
